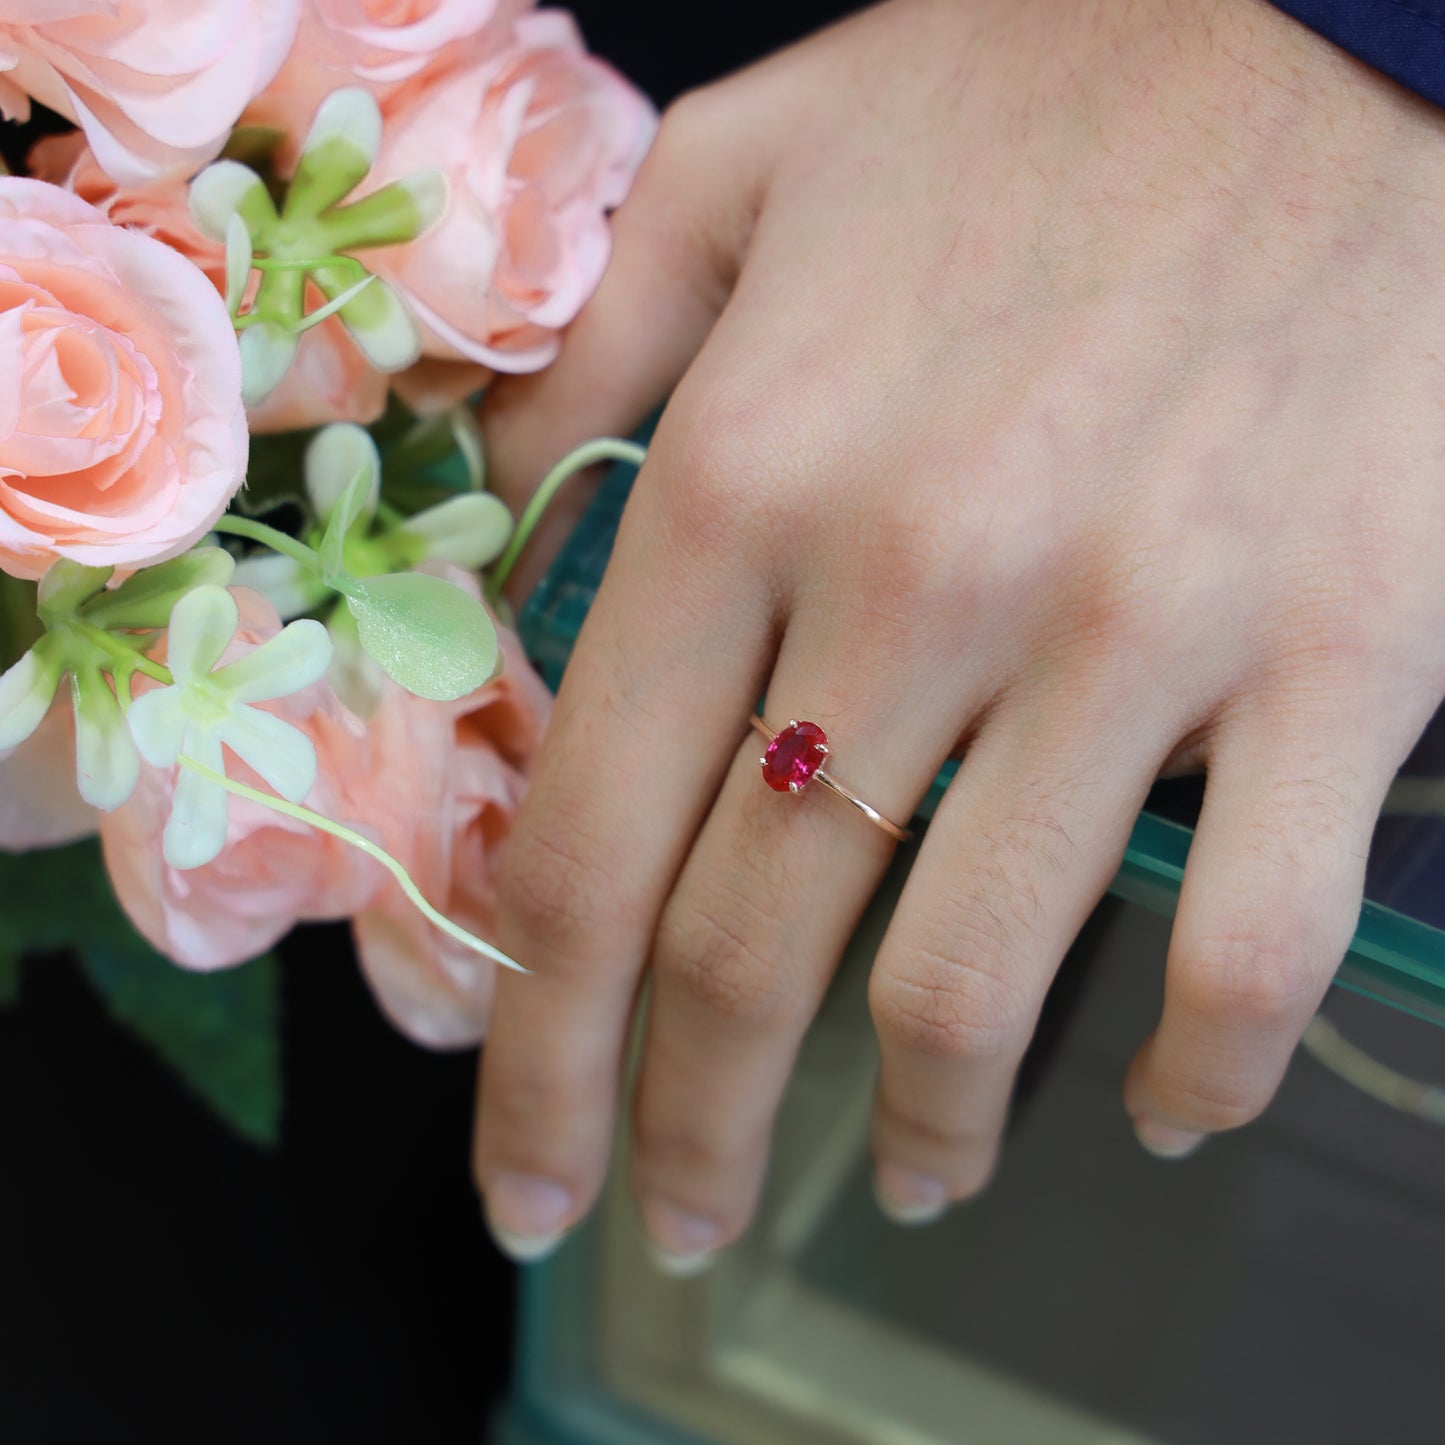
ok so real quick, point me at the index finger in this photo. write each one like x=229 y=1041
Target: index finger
x=655 y=700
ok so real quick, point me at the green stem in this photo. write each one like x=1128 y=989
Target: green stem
x=269 y=537
x=604 y=449
x=372 y=850
x=130 y=659
x=309 y=263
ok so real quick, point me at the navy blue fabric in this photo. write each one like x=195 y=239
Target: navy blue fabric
x=1403 y=38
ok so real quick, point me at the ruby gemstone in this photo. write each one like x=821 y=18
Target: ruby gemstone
x=793 y=756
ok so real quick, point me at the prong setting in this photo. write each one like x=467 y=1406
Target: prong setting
x=794 y=756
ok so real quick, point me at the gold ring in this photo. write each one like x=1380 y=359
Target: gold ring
x=794 y=759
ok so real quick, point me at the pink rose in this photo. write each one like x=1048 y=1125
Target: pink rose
x=469 y=762
x=39 y=804
x=539 y=141
x=329 y=379
x=372 y=43
x=436 y=784
x=122 y=434
x=155 y=84
x=382 y=41
x=274 y=872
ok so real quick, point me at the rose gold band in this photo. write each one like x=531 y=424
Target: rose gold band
x=821 y=775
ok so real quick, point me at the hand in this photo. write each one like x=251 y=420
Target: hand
x=1059 y=384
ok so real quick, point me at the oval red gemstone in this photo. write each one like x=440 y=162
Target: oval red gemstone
x=794 y=755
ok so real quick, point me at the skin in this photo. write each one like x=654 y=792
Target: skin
x=1053 y=384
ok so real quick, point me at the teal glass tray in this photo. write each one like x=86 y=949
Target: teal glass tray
x=1398 y=953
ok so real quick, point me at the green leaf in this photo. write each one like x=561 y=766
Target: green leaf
x=19 y=624
x=219 y=1031
x=54 y=898
x=239 y=256
x=348 y=509
x=399 y=212
x=470 y=530
x=228 y=188
x=65 y=587
x=145 y=599
x=336 y=455
x=267 y=351
x=27 y=690
x=424 y=632
x=338 y=152
x=376 y=318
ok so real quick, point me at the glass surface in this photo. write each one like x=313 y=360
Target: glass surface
x=1287 y=1283
x=1398 y=953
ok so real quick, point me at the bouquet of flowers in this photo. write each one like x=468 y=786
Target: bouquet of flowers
x=252 y=633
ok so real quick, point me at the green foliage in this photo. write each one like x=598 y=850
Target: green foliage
x=219 y=1031
x=434 y=639
x=19 y=626
x=273 y=474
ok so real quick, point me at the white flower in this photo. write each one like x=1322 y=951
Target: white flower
x=208 y=706
x=469 y=530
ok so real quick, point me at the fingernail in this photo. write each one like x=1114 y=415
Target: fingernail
x=527 y=1216
x=1166 y=1143
x=908 y=1197
x=681 y=1244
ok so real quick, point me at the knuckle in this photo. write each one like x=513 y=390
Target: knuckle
x=935 y=1136
x=738 y=425
x=946 y=1010
x=519 y=1112
x=664 y=1147
x=681 y=219
x=522 y=1124
x=688 y=126
x=1212 y=1102
x=725 y=495
x=919 y=560
x=1252 y=979
x=556 y=894
x=705 y=949
x=1128 y=605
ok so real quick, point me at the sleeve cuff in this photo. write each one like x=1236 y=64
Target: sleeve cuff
x=1404 y=39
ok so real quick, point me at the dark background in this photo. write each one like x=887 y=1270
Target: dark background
x=161 y=1281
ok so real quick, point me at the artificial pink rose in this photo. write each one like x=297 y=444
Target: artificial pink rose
x=155 y=84
x=40 y=806
x=328 y=381
x=122 y=434
x=539 y=141
x=274 y=871
x=380 y=41
x=444 y=805
x=376 y=44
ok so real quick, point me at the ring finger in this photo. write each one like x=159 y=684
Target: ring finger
x=761 y=913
